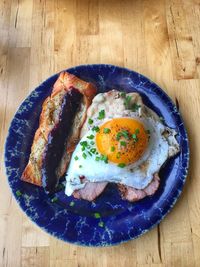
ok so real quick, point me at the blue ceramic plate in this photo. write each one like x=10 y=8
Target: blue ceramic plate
x=109 y=220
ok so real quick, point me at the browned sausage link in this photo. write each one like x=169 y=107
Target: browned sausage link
x=57 y=139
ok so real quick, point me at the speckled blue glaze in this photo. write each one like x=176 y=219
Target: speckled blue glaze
x=120 y=219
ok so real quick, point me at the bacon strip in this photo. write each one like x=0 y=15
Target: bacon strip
x=91 y=191
x=131 y=194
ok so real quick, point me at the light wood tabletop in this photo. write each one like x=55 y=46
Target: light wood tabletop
x=160 y=39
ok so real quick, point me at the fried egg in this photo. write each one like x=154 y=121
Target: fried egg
x=127 y=146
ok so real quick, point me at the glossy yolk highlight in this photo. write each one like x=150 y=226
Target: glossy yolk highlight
x=127 y=149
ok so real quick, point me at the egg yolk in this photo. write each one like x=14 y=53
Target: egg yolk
x=122 y=140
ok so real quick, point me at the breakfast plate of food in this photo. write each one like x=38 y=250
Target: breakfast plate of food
x=97 y=155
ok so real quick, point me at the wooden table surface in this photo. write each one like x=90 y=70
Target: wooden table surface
x=160 y=39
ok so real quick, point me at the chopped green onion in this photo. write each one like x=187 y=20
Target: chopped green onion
x=104 y=158
x=134 y=136
x=118 y=155
x=137 y=131
x=123 y=94
x=118 y=136
x=84 y=143
x=53 y=200
x=90 y=153
x=97 y=158
x=76 y=158
x=127 y=101
x=135 y=107
x=83 y=148
x=90 y=121
x=97 y=215
x=95 y=129
x=112 y=148
x=72 y=203
x=106 y=130
x=80 y=166
x=125 y=134
x=92 y=143
x=101 y=224
x=122 y=143
x=18 y=193
x=121 y=165
x=93 y=150
x=84 y=155
x=101 y=114
x=90 y=136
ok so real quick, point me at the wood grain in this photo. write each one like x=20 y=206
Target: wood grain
x=157 y=38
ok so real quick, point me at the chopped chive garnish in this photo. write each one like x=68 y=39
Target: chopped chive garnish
x=90 y=121
x=122 y=143
x=106 y=130
x=118 y=136
x=84 y=143
x=104 y=158
x=92 y=143
x=97 y=215
x=18 y=193
x=96 y=129
x=72 y=203
x=137 y=131
x=93 y=150
x=121 y=165
x=123 y=94
x=127 y=101
x=53 y=200
x=80 y=166
x=83 y=148
x=76 y=158
x=118 y=155
x=97 y=158
x=112 y=148
x=84 y=155
x=125 y=134
x=134 y=136
x=90 y=136
x=90 y=153
x=101 y=114
x=135 y=107
x=101 y=224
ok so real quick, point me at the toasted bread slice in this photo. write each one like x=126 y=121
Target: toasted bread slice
x=49 y=119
